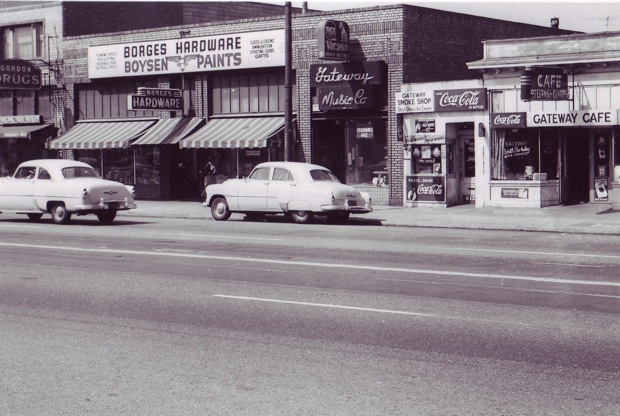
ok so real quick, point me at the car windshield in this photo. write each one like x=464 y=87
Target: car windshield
x=323 y=175
x=79 y=172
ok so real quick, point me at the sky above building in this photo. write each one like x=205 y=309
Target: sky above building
x=583 y=16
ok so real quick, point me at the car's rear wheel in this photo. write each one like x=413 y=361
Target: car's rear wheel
x=106 y=217
x=220 y=210
x=34 y=217
x=302 y=217
x=60 y=215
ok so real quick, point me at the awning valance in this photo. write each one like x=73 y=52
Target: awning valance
x=170 y=131
x=235 y=133
x=20 y=131
x=102 y=134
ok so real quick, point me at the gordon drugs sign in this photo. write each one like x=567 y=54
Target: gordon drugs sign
x=175 y=56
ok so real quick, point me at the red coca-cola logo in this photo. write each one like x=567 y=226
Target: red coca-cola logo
x=463 y=99
x=507 y=120
x=434 y=189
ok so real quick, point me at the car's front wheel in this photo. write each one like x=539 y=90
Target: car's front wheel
x=220 y=210
x=302 y=217
x=106 y=217
x=60 y=215
x=34 y=217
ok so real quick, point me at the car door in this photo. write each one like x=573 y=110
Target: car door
x=252 y=193
x=280 y=184
x=18 y=191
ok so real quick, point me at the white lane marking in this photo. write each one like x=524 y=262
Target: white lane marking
x=317 y=264
x=230 y=237
x=362 y=309
x=568 y=264
x=329 y=305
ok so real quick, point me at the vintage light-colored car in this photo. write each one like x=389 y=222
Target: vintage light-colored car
x=300 y=190
x=62 y=188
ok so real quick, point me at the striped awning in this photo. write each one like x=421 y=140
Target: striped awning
x=20 y=132
x=234 y=133
x=170 y=131
x=101 y=134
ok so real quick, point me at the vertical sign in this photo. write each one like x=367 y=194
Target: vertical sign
x=333 y=38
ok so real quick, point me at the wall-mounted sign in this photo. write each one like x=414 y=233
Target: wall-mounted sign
x=422 y=101
x=508 y=120
x=164 y=99
x=573 y=118
x=544 y=84
x=17 y=74
x=518 y=193
x=175 y=56
x=426 y=188
x=364 y=131
x=346 y=97
x=355 y=73
x=461 y=99
x=424 y=126
x=15 y=120
x=600 y=189
x=333 y=40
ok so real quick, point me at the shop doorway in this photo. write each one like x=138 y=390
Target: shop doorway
x=328 y=146
x=576 y=169
x=466 y=164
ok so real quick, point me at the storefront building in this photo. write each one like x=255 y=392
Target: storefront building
x=442 y=124
x=152 y=107
x=30 y=77
x=553 y=121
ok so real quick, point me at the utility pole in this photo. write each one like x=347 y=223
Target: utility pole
x=288 y=91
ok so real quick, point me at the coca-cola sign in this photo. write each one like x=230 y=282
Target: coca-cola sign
x=461 y=100
x=508 y=120
x=426 y=188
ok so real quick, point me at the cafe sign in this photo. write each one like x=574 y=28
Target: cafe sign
x=582 y=118
x=17 y=74
x=544 y=84
x=333 y=40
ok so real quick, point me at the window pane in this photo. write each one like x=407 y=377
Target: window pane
x=244 y=94
x=23 y=42
x=7 y=44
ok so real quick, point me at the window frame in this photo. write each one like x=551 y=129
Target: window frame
x=10 y=47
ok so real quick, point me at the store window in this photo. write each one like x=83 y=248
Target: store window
x=248 y=93
x=22 y=42
x=524 y=154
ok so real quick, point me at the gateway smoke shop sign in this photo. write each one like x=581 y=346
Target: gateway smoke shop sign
x=176 y=56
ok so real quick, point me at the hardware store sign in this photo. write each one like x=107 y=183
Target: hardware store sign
x=175 y=56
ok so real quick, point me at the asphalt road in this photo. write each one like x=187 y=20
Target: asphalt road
x=188 y=317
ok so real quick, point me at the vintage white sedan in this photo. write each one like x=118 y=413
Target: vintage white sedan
x=300 y=190
x=62 y=188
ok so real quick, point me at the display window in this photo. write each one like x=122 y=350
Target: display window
x=524 y=154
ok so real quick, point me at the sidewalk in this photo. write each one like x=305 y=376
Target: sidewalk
x=574 y=219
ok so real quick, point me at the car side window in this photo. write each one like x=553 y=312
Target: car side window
x=280 y=174
x=26 y=172
x=260 y=174
x=44 y=174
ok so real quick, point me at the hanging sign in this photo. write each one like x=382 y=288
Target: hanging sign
x=333 y=40
x=17 y=74
x=544 y=84
x=156 y=99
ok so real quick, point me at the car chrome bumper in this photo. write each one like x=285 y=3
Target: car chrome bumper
x=361 y=209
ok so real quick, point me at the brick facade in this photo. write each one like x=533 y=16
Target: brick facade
x=418 y=45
